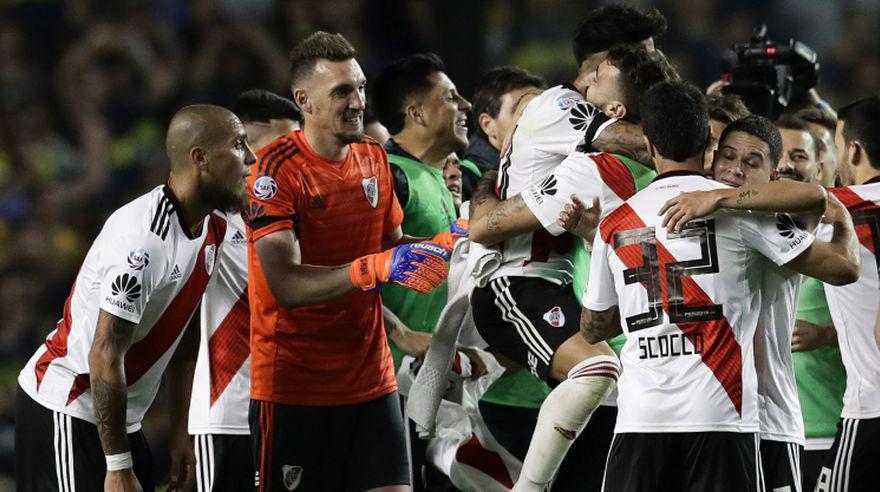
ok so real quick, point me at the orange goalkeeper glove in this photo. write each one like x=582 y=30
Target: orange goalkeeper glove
x=457 y=230
x=417 y=266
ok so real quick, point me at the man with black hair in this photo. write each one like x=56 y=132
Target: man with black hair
x=748 y=151
x=426 y=116
x=496 y=97
x=218 y=411
x=782 y=427
x=528 y=313
x=266 y=115
x=724 y=109
x=699 y=334
x=851 y=463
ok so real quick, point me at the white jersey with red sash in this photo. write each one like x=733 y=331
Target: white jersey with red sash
x=144 y=268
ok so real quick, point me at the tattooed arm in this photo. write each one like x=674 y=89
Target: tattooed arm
x=624 y=138
x=597 y=326
x=775 y=196
x=113 y=337
x=493 y=220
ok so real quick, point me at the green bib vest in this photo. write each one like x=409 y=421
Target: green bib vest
x=428 y=211
x=821 y=377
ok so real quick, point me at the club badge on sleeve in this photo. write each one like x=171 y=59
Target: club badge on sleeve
x=371 y=190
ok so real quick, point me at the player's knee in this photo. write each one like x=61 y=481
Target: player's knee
x=599 y=373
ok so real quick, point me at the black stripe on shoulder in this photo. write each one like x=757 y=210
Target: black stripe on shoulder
x=281 y=161
x=266 y=220
x=161 y=220
x=269 y=159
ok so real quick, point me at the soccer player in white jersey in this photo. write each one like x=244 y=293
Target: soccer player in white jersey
x=528 y=312
x=218 y=411
x=851 y=462
x=85 y=391
x=748 y=149
x=688 y=300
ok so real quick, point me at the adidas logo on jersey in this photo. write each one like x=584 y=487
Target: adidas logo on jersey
x=126 y=286
x=175 y=274
x=581 y=115
x=237 y=238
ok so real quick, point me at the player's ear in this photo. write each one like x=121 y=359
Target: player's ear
x=854 y=152
x=301 y=98
x=487 y=124
x=414 y=112
x=651 y=150
x=199 y=158
x=820 y=165
x=614 y=109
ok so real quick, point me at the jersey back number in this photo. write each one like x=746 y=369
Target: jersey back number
x=648 y=274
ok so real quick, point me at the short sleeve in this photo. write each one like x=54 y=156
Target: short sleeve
x=576 y=175
x=779 y=237
x=600 y=294
x=272 y=202
x=132 y=267
x=564 y=121
x=394 y=212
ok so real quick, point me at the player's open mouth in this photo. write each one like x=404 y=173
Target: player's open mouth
x=461 y=124
x=790 y=176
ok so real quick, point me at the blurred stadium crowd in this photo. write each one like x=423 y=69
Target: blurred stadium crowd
x=86 y=88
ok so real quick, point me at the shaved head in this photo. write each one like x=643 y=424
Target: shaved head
x=200 y=125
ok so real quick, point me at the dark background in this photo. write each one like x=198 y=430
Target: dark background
x=87 y=87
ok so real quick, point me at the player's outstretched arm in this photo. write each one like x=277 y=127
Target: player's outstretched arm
x=178 y=384
x=598 y=326
x=775 y=196
x=113 y=337
x=493 y=220
x=836 y=262
x=419 y=266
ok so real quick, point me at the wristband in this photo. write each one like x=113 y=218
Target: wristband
x=121 y=461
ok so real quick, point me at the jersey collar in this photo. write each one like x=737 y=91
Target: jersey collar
x=392 y=147
x=672 y=174
x=175 y=207
x=875 y=179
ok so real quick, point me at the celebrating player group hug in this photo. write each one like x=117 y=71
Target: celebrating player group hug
x=617 y=283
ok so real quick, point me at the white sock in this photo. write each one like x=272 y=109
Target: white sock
x=564 y=414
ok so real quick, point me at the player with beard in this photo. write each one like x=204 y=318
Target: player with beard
x=324 y=407
x=529 y=312
x=694 y=326
x=782 y=427
x=800 y=151
x=86 y=389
